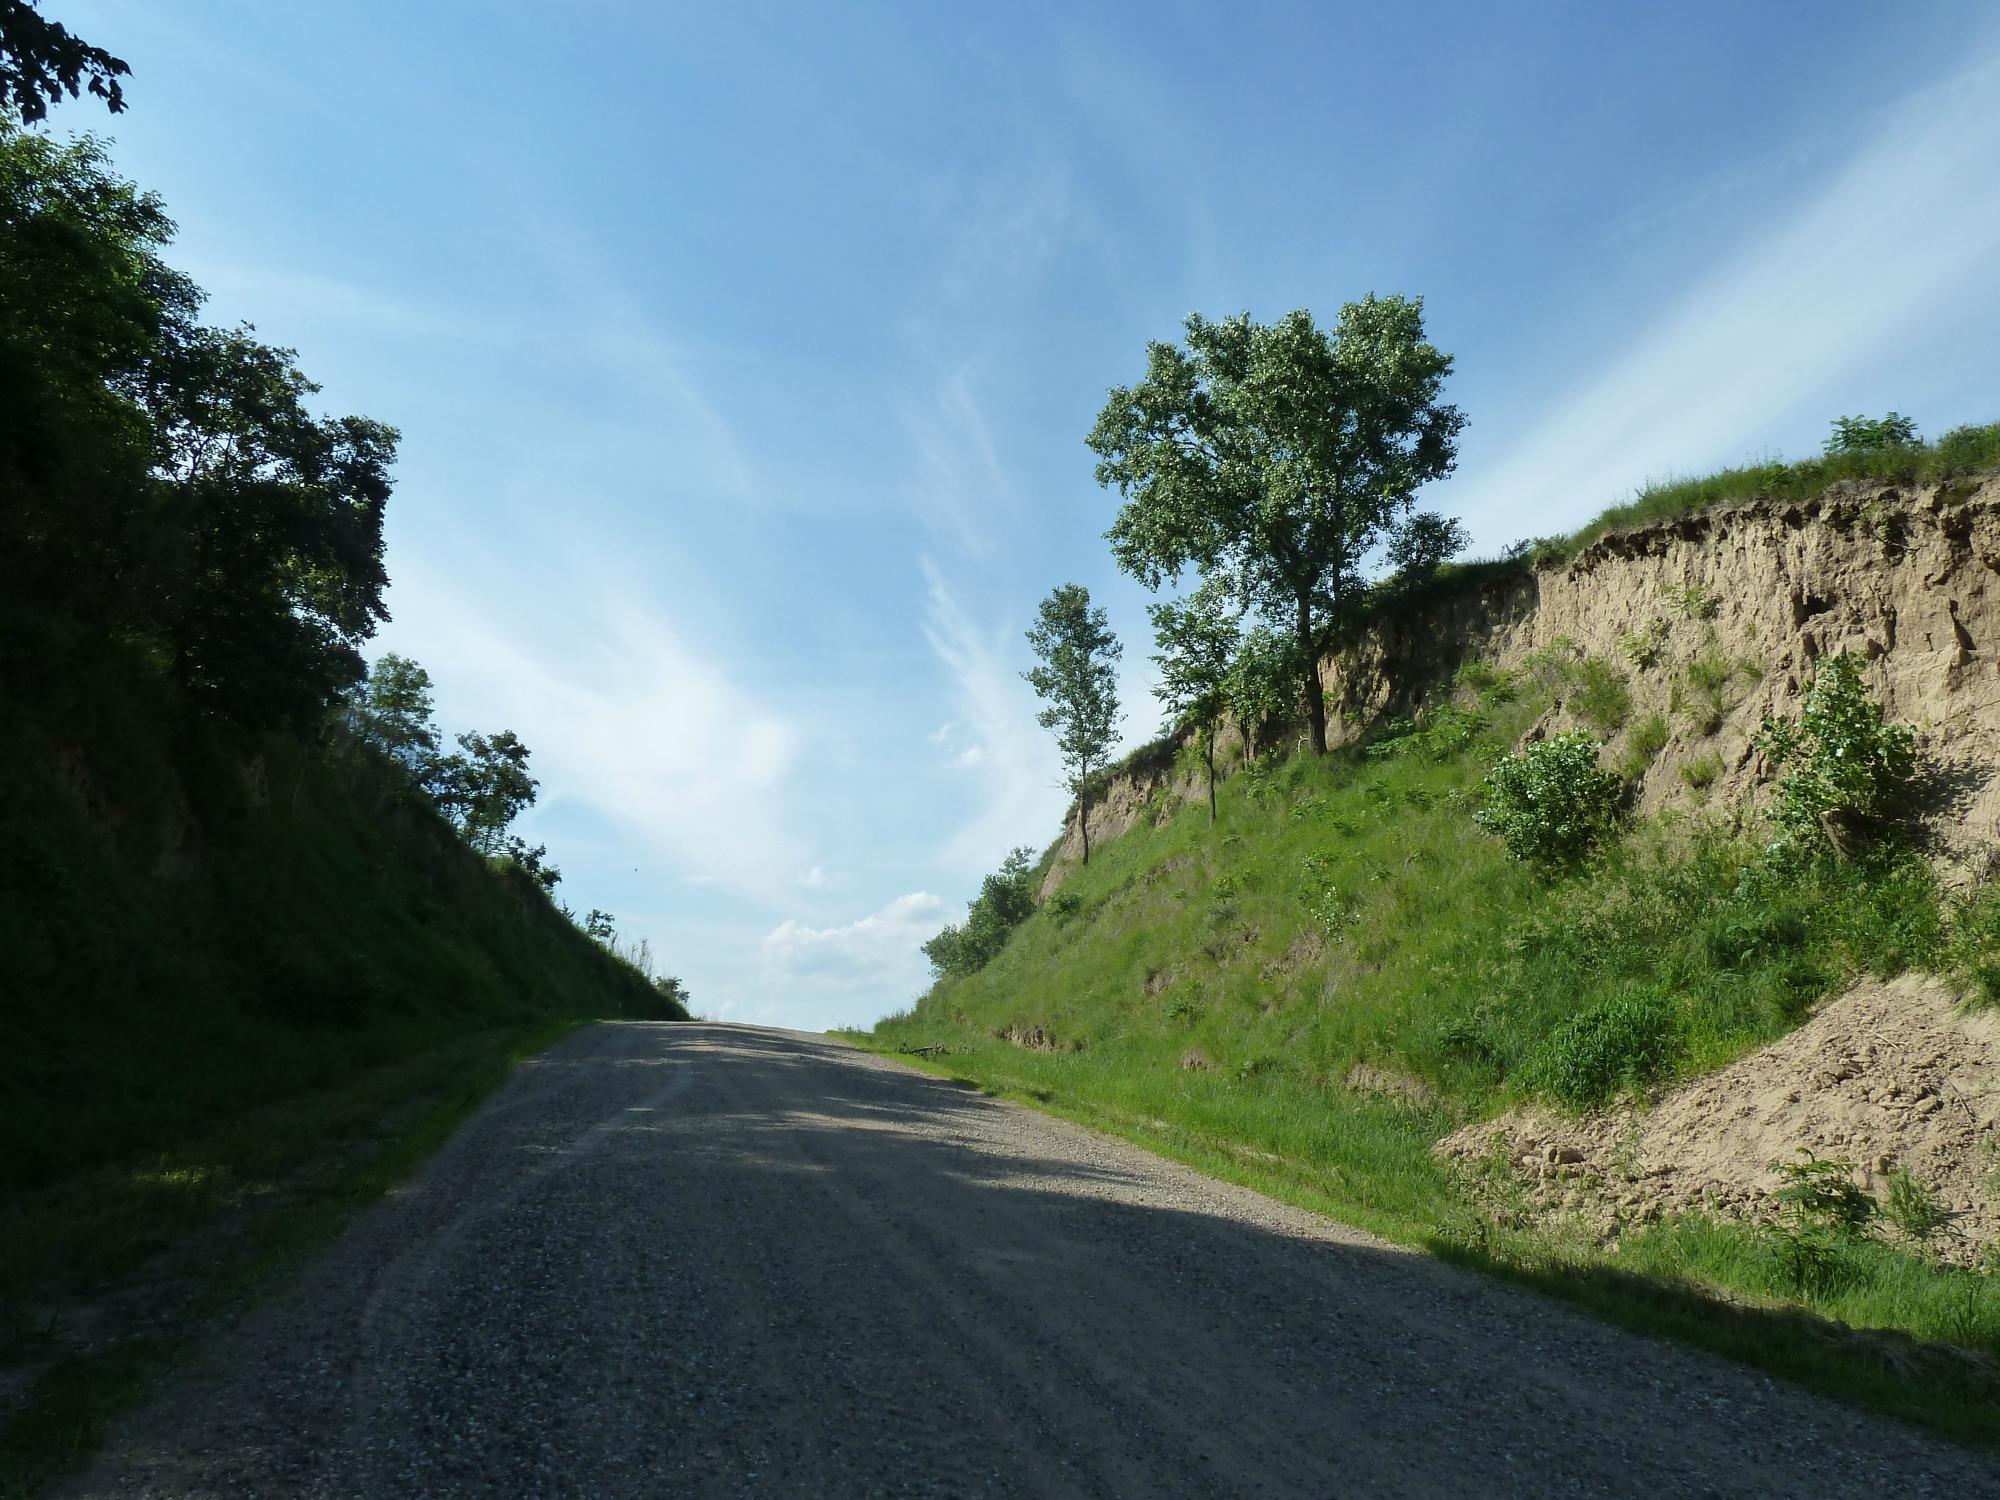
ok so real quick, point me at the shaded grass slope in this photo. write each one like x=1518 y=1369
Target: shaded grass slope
x=195 y=921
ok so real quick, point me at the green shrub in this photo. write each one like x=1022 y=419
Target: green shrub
x=1820 y=1192
x=1642 y=746
x=1824 y=1217
x=1871 y=435
x=1973 y=953
x=1551 y=803
x=1626 y=1041
x=1704 y=691
x=1006 y=898
x=1476 y=676
x=1644 y=648
x=1443 y=732
x=1912 y=1207
x=1700 y=603
x=1849 y=769
x=1600 y=696
x=1700 y=773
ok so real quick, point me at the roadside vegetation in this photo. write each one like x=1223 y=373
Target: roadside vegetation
x=1347 y=967
x=263 y=934
x=1350 y=954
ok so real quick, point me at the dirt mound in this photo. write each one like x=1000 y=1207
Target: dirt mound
x=1888 y=1075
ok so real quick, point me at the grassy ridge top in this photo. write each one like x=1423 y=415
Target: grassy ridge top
x=1960 y=451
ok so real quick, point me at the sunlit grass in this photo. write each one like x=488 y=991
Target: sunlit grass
x=1209 y=991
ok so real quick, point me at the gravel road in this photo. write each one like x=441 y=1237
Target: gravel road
x=697 y=1260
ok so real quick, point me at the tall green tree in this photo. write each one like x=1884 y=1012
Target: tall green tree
x=1280 y=455
x=1077 y=682
x=391 y=709
x=484 y=787
x=165 y=481
x=1198 y=638
x=41 y=61
x=87 y=305
x=278 y=576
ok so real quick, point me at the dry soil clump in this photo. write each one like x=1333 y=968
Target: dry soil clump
x=1889 y=1075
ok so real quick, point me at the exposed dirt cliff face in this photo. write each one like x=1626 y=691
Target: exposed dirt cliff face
x=1712 y=621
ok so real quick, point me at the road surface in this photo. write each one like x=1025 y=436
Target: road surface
x=692 y=1260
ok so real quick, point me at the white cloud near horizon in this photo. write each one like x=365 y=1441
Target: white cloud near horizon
x=1907 y=226
x=881 y=951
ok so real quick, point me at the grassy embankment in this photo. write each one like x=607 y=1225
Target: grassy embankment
x=248 y=982
x=1210 y=992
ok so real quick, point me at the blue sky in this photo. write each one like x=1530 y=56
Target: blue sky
x=743 y=354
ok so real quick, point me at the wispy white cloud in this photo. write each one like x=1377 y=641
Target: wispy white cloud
x=879 y=952
x=994 y=737
x=1004 y=227
x=624 y=713
x=959 y=487
x=1904 y=230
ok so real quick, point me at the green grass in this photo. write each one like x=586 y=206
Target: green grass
x=1346 y=911
x=1963 y=451
x=195 y=922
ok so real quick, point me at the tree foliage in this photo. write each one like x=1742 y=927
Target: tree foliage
x=1006 y=899
x=1423 y=544
x=166 y=481
x=1263 y=681
x=42 y=61
x=481 y=787
x=484 y=786
x=391 y=709
x=1078 y=685
x=1279 y=456
x=1871 y=434
x=1198 y=639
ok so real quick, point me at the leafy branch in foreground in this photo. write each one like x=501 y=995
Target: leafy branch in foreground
x=42 y=60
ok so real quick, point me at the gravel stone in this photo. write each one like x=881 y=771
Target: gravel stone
x=699 y=1259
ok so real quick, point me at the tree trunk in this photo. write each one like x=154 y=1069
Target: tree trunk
x=1083 y=820
x=1315 y=693
x=1208 y=752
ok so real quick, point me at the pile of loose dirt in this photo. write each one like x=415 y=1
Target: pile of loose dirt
x=1888 y=1075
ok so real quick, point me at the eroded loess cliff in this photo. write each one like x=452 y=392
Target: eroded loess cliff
x=1674 y=639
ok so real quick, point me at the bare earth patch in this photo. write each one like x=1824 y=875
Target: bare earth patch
x=1888 y=1075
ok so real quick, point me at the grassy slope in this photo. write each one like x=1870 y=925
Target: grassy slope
x=1446 y=962
x=244 y=982
x=194 y=922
